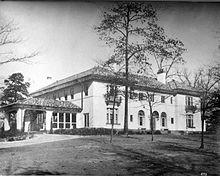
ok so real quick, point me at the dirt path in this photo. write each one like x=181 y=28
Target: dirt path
x=37 y=139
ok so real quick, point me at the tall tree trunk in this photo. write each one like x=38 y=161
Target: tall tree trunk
x=126 y=77
x=151 y=121
x=202 y=133
x=113 y=113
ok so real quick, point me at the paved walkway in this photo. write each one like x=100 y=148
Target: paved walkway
x=37 y=139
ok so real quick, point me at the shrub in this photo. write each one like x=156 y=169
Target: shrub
x=84 y=131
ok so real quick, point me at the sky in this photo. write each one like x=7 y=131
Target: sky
x=63 y=33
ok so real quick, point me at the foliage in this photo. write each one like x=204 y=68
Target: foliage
x=213 y=120
x=84 y=131
x=207 y=81
x=127 y=27
x=16 y=88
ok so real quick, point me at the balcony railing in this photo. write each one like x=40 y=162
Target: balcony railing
x=190 y=108
x=109 y=100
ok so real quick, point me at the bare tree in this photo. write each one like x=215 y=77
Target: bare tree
x=127 y=27
x=112 y=94
x=206 y=80
x=8 y=40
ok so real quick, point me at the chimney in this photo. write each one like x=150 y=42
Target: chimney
x=161 y=76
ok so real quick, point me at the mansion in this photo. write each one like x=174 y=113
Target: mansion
x=81 y=101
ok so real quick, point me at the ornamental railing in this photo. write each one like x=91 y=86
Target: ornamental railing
x=190 y=108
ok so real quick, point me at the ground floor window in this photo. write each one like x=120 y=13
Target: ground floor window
x=110 y=116
x=189 y=121
x=163 y=119
x=86 y=120
x=73 y=120
x=141 y=117
x=172 y=120
x=63 y=120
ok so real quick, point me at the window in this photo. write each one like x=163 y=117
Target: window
x=189 y=121
x=72 y=94
x=86 y=120
x=151 y=96
x=110 y=116
x=172 y=120
x=141 y=96
x=162 y=99
x=141 y=117
x=67 y=124
x=163 y=119
x=86 y=90
x=163 y=122
x=54 y=120
x=54 y=96
x=61 y=120
x=171 y=100
x=73 y=120
x=131 y=93
x=131 y=118
x=189 y=101
x=65 y=97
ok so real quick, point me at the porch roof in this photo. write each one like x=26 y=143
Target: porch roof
x=43 y=104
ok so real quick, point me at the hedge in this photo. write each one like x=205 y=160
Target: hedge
x=99 y=131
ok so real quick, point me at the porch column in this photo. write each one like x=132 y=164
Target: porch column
x=20 y=119
x=48 y=120
x=79 y=120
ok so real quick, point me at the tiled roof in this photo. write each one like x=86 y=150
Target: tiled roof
x=181 y=86
x=102 y=74
x=49 y=103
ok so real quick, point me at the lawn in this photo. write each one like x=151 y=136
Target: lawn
x=168 y=155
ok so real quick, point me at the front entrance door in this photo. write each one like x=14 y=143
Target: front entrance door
x=41 y=121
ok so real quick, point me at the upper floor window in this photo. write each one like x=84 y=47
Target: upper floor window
x=171 y=100
x=72 y=94
x=131 y=118
x=86 y=90
x=151 y=96
x=189 y=101
x=162 y=99
x=141 y=96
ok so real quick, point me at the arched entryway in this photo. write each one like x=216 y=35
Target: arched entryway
x=155 y=116
x=163 y=119
x=141 y=117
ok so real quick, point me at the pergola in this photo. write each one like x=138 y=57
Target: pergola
x=44 y=109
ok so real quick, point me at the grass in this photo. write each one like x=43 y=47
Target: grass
x=168 y=155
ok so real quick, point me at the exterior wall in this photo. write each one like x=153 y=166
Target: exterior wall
x=20 y=119
x=48 y=120
x=180 y=114
x=94 y=104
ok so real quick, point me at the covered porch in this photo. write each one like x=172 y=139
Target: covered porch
x=40 y=114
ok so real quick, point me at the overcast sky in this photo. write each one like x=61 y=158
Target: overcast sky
x=63 y=34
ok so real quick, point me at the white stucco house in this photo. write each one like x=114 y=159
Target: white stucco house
x=175 y=106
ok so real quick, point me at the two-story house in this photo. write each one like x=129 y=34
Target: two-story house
x=175 y=106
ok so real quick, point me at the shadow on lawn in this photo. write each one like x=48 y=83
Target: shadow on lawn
x=39 y=172
x=153 y=164
x=178 y=148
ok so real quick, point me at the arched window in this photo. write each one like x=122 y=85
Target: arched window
x=155 y=116
x=141 y=117
x=163 y=119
